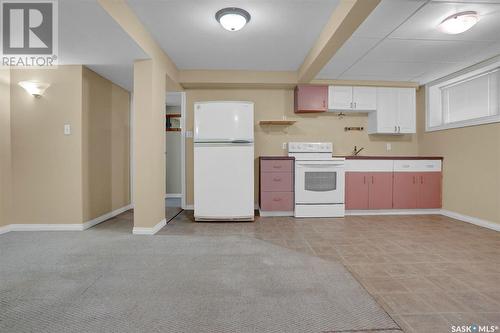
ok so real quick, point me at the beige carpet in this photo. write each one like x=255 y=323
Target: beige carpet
x=102 y=280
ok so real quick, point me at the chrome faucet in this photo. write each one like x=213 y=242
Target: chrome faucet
x=356 y=151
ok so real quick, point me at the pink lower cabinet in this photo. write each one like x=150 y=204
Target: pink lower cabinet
x=276 y=186
x=276 y=201
x=405 y=190
x=380 y=193
x=356 y=190
x=417 y=190
x=429 y=190
x=368 y=190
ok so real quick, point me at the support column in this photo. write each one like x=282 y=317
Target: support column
x=149 y=147
x=5 y=149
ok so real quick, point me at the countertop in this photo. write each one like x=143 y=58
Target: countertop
x=277 y=158
x=358 y=157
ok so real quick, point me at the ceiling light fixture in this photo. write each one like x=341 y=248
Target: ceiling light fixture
x=458 y=23
x=232 y=19
x=34 y=88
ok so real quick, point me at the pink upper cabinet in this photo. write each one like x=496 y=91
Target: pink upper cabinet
x=311 y=98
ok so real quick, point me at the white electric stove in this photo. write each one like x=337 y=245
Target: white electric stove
x=319 y=180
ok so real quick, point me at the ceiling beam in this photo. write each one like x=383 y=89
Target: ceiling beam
x=195 y=79
x=345 y=19
x=130 y=23
x=368 y=83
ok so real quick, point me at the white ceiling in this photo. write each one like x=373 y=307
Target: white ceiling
x=278 y=36
x=89 y=36
x=399 y=41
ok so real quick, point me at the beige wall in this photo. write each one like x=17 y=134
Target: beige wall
x=105 y=146
x=46 y=164
x=5 y=154
x=149 y=143
x=276 y=103
x=471 y=178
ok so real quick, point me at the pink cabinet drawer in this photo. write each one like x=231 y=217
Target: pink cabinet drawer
x=276 y=181
x=276 y=165
x=276 y=201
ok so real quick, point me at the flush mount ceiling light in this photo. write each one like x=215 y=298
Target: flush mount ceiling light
x=232 y=19
x=458 y=23
x=34 y=88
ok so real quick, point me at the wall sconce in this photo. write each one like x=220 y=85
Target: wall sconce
x=34 y=88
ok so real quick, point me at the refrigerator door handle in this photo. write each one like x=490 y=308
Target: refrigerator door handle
x=241 y=141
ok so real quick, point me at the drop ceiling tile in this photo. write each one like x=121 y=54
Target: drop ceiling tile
x=423 y=25
x=278 y=36
x=386 y=17
x=379 y=77
x=353 y=49
x=425 y=50
x=446 y=69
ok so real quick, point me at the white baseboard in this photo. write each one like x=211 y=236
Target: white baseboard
x=173 y=195
x=46 y=227
x=64 y=227
x=149 y=231
x=394 y=212
x=275 y=213
x=105 y=217
x=5 y=229
x=471 y=219
x=188 y=207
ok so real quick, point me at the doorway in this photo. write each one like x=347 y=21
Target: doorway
x=174 y=153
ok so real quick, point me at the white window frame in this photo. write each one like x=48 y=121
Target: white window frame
x=458 y=77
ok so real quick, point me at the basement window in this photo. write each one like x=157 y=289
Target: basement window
x=467 y=99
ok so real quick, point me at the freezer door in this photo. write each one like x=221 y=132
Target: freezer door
x=223 y=121
x=224 y=181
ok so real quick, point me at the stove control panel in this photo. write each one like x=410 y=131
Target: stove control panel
x=310 y=147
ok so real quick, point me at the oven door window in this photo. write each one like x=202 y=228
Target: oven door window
x=320 y=181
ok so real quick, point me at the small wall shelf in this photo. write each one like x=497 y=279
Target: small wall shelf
x=277 y=122
x=173 y=122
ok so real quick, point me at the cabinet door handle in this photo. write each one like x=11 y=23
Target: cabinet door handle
x=364 y=179
x=277 y=179
x=277 y=166
x=413 y=179
x=324 y=103
x=351 y=105
x=355 y=105
x=399 y=129
x=395 y=129
x=421 y=179
x=372 y=180
x=276 y=199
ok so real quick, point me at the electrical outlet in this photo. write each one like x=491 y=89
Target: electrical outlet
x=283 y=145
x=388 y=146
x=67 y=129
x=189 y=134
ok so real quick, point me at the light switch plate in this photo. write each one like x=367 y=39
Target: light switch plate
x=67 y=129
x=283 y=145
x=388 y=146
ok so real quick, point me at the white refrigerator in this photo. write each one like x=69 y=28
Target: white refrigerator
x=223 y=161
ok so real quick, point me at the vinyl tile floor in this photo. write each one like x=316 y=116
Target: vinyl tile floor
x=428 y=272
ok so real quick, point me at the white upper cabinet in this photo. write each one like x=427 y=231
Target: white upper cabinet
x=339 y=98
x=364 y=98
x=396 y=112
x=347 y=98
